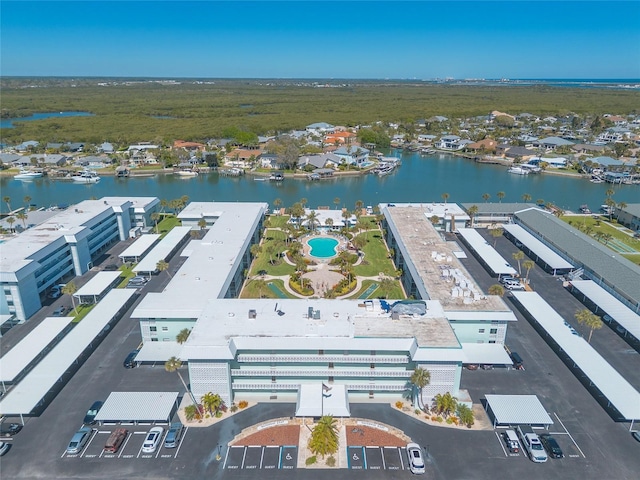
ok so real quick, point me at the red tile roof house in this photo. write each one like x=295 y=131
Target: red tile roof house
x=188 y=145
x=486 y=145
x=242 y=155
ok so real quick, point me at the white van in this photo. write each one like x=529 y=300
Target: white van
x=511 y=439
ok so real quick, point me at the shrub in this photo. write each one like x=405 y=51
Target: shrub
x=434 y=418
x=233 y=408
x=310 y=460
x=439 y=419
x=449 y=421
x=331 y=461
x=218 y=414
x=243 y=404
x=399 y=405
x=417 y=411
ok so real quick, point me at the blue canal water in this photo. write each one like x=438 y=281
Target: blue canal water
x=322 y=247
x=420 y=179
x=8 y=122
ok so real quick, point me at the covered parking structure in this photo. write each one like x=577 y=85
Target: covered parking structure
x=138 y=407
x=139 y=248
x=508 y=410
x=598 y=375
x=486 y=354
x=552 y=262
x=31 y=394
x=164 y=250
x=488 y=255
x=16 y=363
x=97 y=287
x=603 y=300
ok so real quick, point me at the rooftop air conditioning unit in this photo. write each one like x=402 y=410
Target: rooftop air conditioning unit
x=253 y=314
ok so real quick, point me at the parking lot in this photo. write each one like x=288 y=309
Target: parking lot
x=377 y=458
x=131 y=446
x=261 y=457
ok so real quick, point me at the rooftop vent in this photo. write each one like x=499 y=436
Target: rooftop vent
x=253 y=314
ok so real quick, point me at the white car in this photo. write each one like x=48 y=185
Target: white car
x=153 y=439
x=416 y=460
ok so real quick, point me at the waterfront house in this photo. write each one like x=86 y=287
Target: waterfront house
x=270 y=160
x=587 y=149
x=340 y=138
x=556 y=162
x=24 y=146
x=551 y=143
x=352 y=155
x=522 y=153
x=629 y=216
x=486 y=145
x=9 y=159
x=325 y=160
x=107 y=148
x=607 y=162
x=189 y=146
x=450 y=142
x=426 y=139
x=50 y=160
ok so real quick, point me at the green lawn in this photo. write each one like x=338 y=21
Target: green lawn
x=591 y=226
x=376 y=257
x=262 y=261
x=167 y=223
x=250 y=290
x=278 y=221
x=395 y=293
x=82 y=310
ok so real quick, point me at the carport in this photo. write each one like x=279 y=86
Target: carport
x=317 y=399
x=164 y=250
x=516 y=410
x=486 y=354
x=138 y=407
x=488 y=255
x=539 y=250
x=139 y=248
x=97 y=287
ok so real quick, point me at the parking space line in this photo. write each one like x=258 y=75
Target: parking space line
x=261 y=457
x=161 y=443
x=401 y=457
x=226 y=456
x=186 y=429
x=244 y=455
x=384 y=464
x=572 y=439
x=94 y=432
x=124 y=444
x=501 y=444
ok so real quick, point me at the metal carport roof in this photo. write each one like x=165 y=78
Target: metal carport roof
x=600 y=373
x=162 y=250
x=544 y=253
x=517 y=410
x=138 y=407
x=486 y=353
x=98 y=285
x=140 y=247
x=496 y=263
x=158 y=351
x=30 y=347
x=617 y=310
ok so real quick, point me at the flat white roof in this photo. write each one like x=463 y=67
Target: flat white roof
x=25 y=352
x=211 y=262
x=162 y=250
x=613 y=386
x=496 y=263
x=158 y=351
x=543 y=252
x=475 y=316
x=138 y=407
x=138 y=248
x=30 y=391
x=486 y=353
x=610 y=305
x=518 y=410
x=317 y=399
x=98 y=284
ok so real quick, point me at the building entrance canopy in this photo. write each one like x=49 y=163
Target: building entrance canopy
x=318 y=399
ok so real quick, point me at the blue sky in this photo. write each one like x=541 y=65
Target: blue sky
x=328 y=39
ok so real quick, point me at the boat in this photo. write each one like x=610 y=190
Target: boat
x=518 y=170
x=25 y=174
x=186 y=173
x=585 y=209
x=596 y=179
x=85 y=176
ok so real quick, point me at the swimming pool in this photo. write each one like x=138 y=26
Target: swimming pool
x=323 y=247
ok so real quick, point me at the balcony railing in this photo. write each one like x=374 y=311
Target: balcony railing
x=317 y=358
x=301 y=372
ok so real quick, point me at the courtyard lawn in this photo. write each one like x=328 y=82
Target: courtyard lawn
x=261 y=262
x=395 y=293
x=591 y=226
x=250 y=290
x=167 y=223
x=278 y=221
x=376 y=257
x=82 y=310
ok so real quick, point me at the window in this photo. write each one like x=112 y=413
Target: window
x=154 y=339
x=481 y=330
x=492 y=341
x=493 y=331
x=153 y=329
x=165 y=329
x=166 y=339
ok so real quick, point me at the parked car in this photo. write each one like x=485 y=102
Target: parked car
x=153 y=439
x=4 y=448
x=471 y=366
x=174 y=435
x=507 y=279
x=636 y=435
x=511 y=439
x=115 y=440
x=551 y=446
x=90 y=417
x=56 y=290
x=112 y=267
x=514 y=286
x=517 y=360
x=130 y=361
x=416 y=460
x=79 y=440
x=60 y=311
x=9 y=429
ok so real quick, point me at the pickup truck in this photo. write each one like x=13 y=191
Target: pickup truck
x=531 y=443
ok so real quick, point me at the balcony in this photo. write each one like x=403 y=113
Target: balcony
x=317 y=358
x=337 y=373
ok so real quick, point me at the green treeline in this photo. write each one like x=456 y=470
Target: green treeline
x=125 y=113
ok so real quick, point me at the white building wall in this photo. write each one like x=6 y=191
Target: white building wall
x=444 y=378
x=211 y=377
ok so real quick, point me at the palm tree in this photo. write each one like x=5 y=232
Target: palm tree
x=496 y=233
x=386 y=286
x=473 y=211
x=500 y=196
x=27 y=200
x=211 y=402
x=435 y=219
x=312 y=220
x=496 y=289
x=255 y=250
x=486 y=197
x=11 y=221
x=359 y=242
x=202 y=223
x=445 y=404
x=69 y=289
x=7 y=200
x=297 y=211
x=526 y=198
x=465 y=414
x=420 y=378
x=445 y=197
x=519 y=255
x=346 y=215
x=155 y=216
x=260 y=285
x=163 y=205
x=329 y=222
x=23 y=217
x=163 y=266
x=336 y=202
x=277 y=203
x=173 y=365
x=591 y=320
x=359 y=204
x=324 y=437
x=183 y=335
x=540 y=201
x=303 y=202
x=528 y=265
